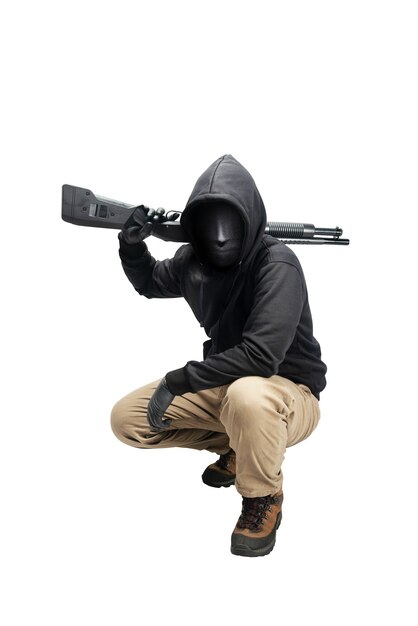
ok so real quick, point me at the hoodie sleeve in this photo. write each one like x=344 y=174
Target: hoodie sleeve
x=279 y=297
x=151 y=278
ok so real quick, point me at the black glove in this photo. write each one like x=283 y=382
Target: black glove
x=157 y=406
x=133 y=231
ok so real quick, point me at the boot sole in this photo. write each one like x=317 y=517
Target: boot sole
x=222 y=483
x=240 y=549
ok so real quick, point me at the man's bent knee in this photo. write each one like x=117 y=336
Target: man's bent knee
x=251 y=395
x=245 y=391
x=118 y=419
x=129 y=420
x=242 y=400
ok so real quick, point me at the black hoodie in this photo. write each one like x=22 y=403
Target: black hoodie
x=256 y=314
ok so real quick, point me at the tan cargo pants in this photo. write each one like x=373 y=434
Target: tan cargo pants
x=255 y=416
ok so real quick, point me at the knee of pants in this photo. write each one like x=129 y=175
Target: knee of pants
x=248 y=397
x=118 y=419
x=243 y=398
x=122 y=419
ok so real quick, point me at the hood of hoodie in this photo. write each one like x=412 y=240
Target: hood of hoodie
x=228 y=181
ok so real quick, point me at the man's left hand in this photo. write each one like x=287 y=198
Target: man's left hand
x=157 y=406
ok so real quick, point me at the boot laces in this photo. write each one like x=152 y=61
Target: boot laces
x=254 y=511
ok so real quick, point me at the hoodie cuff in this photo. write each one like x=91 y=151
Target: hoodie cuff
x=177 y=382
x=131 y=250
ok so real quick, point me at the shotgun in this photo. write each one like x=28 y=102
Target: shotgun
x=82 y=207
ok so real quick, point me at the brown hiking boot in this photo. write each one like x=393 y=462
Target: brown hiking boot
x=222 y=472
x=255 y=531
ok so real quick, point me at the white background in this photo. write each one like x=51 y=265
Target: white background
x=318 y=100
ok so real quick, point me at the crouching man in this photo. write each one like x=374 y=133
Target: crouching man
x=256 y=391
